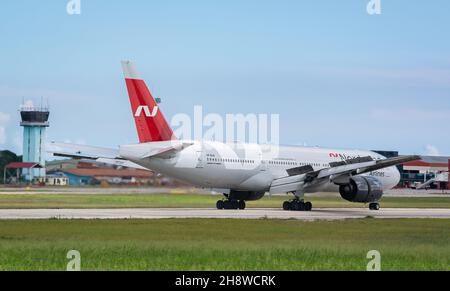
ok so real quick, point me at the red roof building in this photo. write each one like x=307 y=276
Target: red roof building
x=426 y=166
x=23 y=166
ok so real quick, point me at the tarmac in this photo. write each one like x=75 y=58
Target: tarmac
x=252 y=213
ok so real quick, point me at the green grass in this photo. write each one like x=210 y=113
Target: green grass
x=193 y=201
x=209 y=244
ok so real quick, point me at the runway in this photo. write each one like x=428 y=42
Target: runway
x=316 y=214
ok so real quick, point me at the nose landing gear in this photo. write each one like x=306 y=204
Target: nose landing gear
x=374 y=206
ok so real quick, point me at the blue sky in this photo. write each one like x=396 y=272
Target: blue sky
x=337 y=76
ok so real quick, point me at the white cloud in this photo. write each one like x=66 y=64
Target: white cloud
x=4 y=119
x=431 y=150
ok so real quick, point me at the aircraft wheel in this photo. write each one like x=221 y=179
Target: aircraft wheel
x=374 y=206
x=227 y=204
x=301 y=206
x=242 y=205
x=298 y=206
x=308 y=206
x=294 y=206
x=220 y=205
x=287 y=205
x=231 y=204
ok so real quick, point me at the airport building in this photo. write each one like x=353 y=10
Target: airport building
x=56 y=180
x=430 y=172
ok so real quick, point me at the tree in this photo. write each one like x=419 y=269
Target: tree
x=7 y=157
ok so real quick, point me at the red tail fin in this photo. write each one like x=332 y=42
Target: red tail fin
x=150 y=122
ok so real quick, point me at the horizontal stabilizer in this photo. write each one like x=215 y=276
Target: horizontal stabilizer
x=100 y=155
x=152 y=149
x=81 y=151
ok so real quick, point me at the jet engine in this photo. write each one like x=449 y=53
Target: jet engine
x=363 y=189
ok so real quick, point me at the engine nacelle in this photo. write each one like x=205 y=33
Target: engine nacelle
x=364 y=189
x=245 y=195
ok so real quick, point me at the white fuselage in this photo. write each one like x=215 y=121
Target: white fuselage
x=245 y=167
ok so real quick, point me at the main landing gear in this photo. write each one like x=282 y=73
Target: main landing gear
x=374 y=206
x=230 y=204
x=297 y=205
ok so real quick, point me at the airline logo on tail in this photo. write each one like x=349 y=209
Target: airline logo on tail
x=146 y=111
x=151 y=125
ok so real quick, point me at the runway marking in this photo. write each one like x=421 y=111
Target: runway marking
x=252 y=213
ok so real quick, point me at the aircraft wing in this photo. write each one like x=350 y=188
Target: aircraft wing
x=288 y=184
x=360 y=166
x=304 y=177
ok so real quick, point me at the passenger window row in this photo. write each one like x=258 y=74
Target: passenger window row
x=276 y=163
x=220 y=160
x=315 y=165
x=283 y=163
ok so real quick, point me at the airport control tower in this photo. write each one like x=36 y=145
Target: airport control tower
x=35 y=123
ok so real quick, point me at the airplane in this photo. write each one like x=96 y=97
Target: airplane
x=242 y=172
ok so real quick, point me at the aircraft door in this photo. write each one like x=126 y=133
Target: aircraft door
x=263 y=166
x=201 y=159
